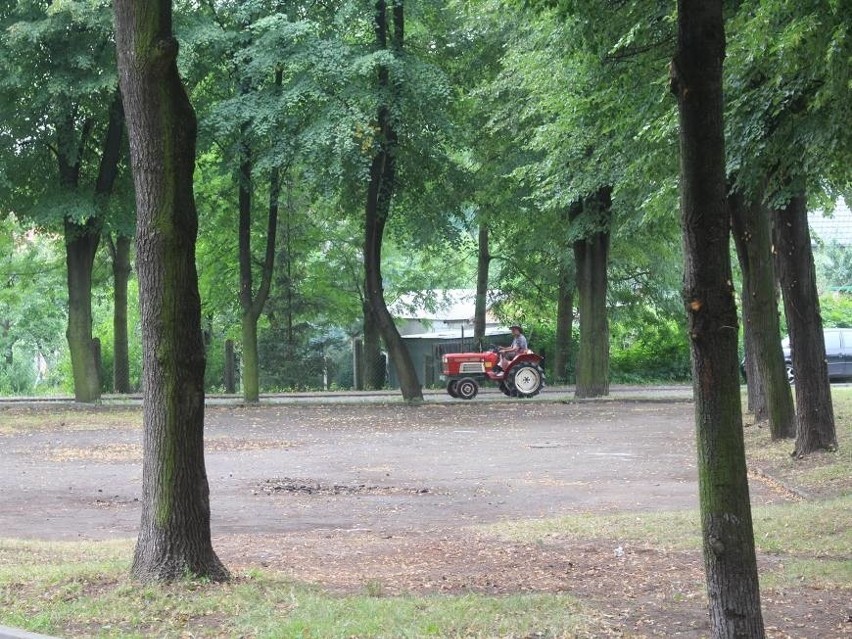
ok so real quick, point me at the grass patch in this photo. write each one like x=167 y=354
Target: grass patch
x=83 y=590
x=821 y=474
x=17 y=419
x=811 y=537
x=807 y=529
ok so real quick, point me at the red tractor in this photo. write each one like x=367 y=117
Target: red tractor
x=520 y=377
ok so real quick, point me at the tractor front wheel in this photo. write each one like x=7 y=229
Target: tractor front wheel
x=466 y=388
x=451 y=388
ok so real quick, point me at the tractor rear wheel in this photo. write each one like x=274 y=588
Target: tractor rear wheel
x=526 y=380
x=466 y=388
x=505 y=388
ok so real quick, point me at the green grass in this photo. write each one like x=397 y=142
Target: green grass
x=803 y=529
x=83 y=590
x=822 y=474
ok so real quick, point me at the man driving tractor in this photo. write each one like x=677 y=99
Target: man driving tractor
x=519 y=345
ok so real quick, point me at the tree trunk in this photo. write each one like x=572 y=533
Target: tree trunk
x=755 y=392
x=728 y=537
x=174 y=535
x=251 y=390
x=252 y=304
x=121 y=272
x=379 y=195
x=120 y=249
x=480 y=308
x=564 y=325
x=8 y=346
x=373 y=362
x=815 y=428
x=751 y=229
x=81 y=244
x=591 y=255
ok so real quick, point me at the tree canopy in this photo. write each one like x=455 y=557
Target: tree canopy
x=507 y=114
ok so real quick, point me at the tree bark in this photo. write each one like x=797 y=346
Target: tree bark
x=119 y=250
x=564 y=325
x=728 y=537
x=372 y=362
x=768 y=379
x=121 y=271
x=815 y=429
x=81 y=244
x=379 y=195
x=591 y=255
x=481 y=304
x=174 y=535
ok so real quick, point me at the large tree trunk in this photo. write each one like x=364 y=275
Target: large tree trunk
x=481 y=304
x=564 y=325
x=768 y=378
x=591 y=255
x=121 y=271
x=81 y=244
x=815 y=424
x=174 y=535
x=728 y=537
x=379 y=194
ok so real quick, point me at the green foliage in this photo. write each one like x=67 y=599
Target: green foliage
x=834 y=266
x=103 y=329
x=32 y=307
x=789 y=86
x=57 y=78
x=836 y=309
x=654 y=350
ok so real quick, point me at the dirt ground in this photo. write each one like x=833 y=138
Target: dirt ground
x=395 y=499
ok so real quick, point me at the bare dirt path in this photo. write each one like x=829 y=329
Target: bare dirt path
x=380 y=468
x=394 y=498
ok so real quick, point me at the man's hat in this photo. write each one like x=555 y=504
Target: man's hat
x=514 y=326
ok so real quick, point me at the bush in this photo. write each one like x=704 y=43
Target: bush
x=658 y=351
x=836 y=310
x=19 y=378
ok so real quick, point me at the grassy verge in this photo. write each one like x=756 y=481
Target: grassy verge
x=82 y=590
x=811 y=537
x=18 y=419
x=818 y=475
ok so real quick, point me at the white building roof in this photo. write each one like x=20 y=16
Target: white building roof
x=837 y=228
x=449 y=305
x=491 y=331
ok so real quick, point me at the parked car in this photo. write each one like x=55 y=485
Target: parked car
x=838 y=355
